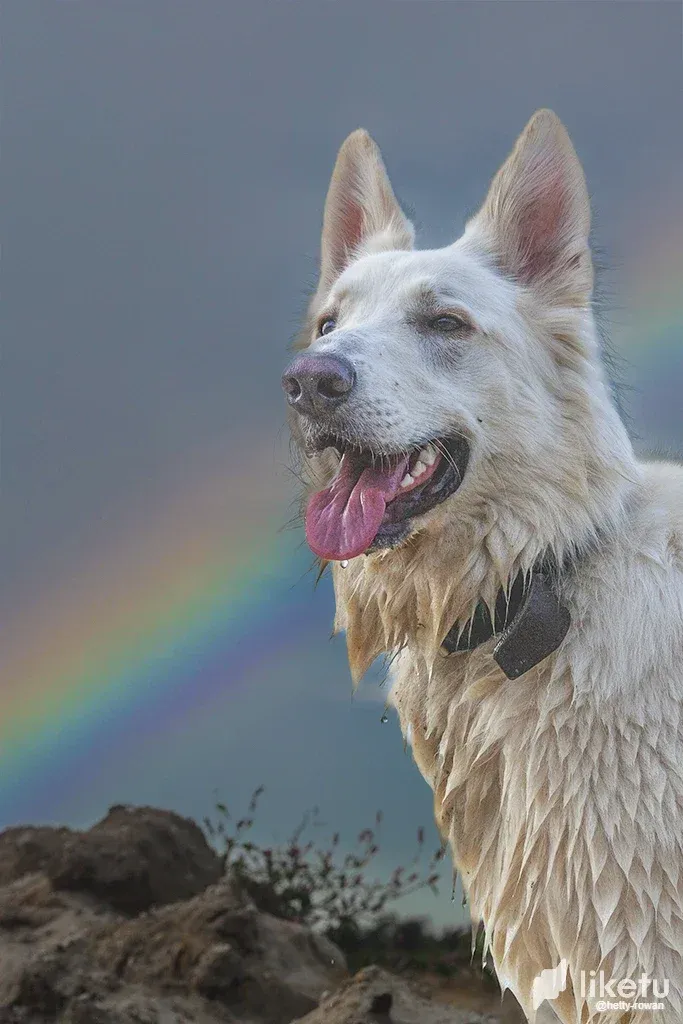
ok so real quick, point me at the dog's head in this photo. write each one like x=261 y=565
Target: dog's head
x=427 y=377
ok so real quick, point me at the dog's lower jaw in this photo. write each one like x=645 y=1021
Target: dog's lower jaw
x=390 y=536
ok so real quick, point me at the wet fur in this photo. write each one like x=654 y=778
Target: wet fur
x=560 y=793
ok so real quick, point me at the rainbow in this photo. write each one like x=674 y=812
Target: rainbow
x=156 y=623
x=653 y=282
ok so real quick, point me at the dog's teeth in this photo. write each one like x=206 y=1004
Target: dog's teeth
x=427 y=457
x=406 y=481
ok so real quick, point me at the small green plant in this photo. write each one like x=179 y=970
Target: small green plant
x=315 y=884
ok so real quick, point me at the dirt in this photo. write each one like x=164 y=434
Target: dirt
x=135 y=922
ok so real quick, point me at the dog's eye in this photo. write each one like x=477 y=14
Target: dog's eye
x=451 y=323
x=327 y=325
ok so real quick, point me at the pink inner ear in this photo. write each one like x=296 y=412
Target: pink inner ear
x=541 y=229
x=350 y=230
x=348 y=224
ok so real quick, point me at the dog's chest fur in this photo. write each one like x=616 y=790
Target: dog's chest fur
x=561 y=799
x=550 y=810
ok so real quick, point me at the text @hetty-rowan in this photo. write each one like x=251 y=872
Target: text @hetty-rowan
x=604 y=993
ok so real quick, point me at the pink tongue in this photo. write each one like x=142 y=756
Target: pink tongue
x=342 y=521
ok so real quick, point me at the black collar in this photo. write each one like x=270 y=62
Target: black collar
x=529 y=622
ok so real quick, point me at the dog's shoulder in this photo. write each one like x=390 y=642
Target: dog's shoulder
x=663 y=480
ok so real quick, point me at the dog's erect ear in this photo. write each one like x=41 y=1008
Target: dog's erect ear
x=536 y=217
x=361 y=210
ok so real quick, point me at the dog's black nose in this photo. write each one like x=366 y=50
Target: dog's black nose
x=317 y=384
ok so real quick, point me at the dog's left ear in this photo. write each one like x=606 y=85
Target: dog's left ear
x=536 y=218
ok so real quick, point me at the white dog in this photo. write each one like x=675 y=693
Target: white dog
x=490 y=529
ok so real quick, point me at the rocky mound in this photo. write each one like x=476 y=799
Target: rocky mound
x=134 y=922
x=375 y=997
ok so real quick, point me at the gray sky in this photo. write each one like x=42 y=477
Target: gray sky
x=164 y=166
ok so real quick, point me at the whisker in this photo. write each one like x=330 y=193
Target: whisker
x=447 y=455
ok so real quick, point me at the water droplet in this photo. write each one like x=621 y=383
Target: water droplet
x=344 y=563
x=384 y=719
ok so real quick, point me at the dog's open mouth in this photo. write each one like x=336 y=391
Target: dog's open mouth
x=373 y=498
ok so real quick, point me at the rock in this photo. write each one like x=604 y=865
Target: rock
x=375 y=997
x=142 y=1009
x=212 y=958
x=44 y=937
x=87 y=1010
x=26 y=850
x=218 y=972
x=43 y=985
x=28 y=904
x=133 y=922
x=136 y=1009
x=136 y=858
x=221 y=947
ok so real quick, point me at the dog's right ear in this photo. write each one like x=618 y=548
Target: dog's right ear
x=362 y=213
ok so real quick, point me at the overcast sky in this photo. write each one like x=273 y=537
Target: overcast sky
x=163 y=169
